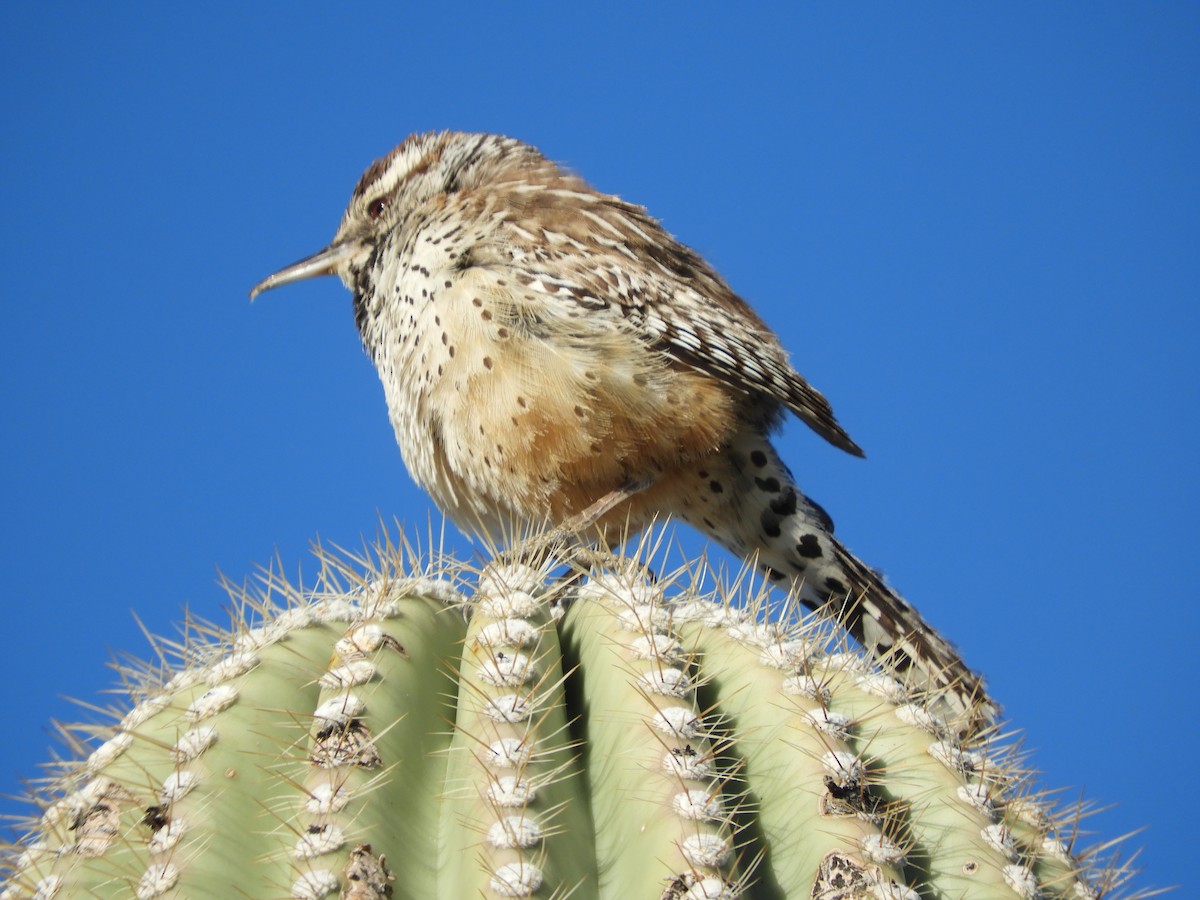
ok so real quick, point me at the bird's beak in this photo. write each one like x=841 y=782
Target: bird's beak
x=323 y=262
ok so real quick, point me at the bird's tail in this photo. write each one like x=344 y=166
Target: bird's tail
x=890 y=628
x=750 y=504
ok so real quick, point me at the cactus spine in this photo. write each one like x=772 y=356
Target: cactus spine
x=393 y=734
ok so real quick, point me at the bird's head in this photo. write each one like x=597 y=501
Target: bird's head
x=415 y=173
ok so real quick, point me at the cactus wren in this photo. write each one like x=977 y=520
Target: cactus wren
x=543 y=346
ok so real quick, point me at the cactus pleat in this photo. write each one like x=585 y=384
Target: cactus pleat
x=437 y=734
x=515 y=818
x=663 y=811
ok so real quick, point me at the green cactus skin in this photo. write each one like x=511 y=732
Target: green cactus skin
x=609 y=736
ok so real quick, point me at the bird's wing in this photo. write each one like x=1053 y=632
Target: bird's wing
x=601 y=253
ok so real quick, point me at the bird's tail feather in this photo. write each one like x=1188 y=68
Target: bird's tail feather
x=890 y=628
x=759 y=511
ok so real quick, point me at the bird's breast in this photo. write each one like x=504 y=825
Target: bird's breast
x=511 y=403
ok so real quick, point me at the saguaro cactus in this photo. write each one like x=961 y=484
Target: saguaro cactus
x=396 y=733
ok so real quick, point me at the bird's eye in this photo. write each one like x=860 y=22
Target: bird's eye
x=376 y=207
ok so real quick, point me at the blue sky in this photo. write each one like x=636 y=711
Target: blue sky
x=974 y=228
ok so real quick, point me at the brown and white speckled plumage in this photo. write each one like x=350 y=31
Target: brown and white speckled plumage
x=542 y=345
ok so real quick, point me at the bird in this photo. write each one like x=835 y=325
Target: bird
x=549 y=353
